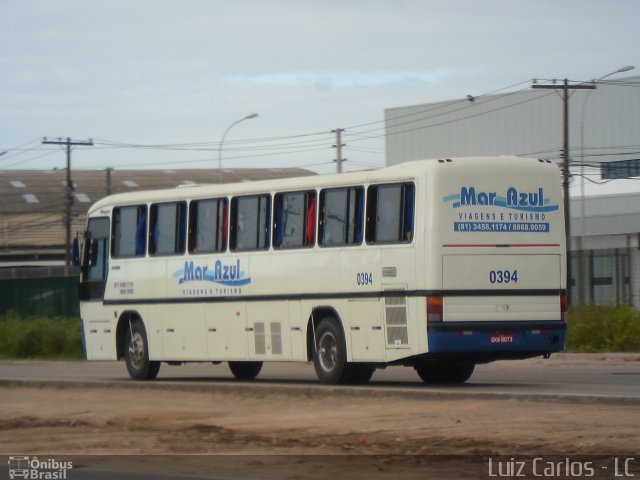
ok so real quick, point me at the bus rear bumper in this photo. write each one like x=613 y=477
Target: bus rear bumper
x=497 y=337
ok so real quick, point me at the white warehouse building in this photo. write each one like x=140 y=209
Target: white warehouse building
x=604 y=154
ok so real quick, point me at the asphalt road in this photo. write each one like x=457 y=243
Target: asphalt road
x=575 y=377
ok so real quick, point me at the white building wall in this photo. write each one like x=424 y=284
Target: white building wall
x=604 y=126
x=606 y=249
x=527 y=122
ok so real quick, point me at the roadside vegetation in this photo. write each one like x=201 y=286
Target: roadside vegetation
x=603 y=329
x=39 y=337
x=590 y=329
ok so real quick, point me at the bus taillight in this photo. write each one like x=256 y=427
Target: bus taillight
x=434 y=309
x=563 y=307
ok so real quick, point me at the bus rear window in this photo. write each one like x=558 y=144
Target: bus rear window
x=341 y=212
x=129 y=231
x=390 y=213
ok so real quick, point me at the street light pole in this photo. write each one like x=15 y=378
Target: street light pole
x=582 y=290
x=248 y=117
x=584 y=107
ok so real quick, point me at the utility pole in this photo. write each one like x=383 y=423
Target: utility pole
x=109 y=185
x=69 y=192
x=565 y=87
x=338 y=146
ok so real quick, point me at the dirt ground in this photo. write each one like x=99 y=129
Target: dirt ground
x=300 y=436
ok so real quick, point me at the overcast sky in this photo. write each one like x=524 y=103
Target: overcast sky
x=166 y=72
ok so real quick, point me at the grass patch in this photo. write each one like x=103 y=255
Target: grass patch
x=589 y=329
x=603 y=329
x=40 y=337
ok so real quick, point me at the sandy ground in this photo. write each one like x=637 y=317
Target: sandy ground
x=287 y=436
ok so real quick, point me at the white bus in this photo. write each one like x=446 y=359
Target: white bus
x=435 y=264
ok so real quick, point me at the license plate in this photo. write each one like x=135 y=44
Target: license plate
x=503 y=338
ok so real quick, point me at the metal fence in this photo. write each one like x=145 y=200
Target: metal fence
x=42 y=291
x=602 y=277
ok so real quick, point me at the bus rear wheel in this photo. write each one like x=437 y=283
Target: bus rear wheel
x=445 y=372
x=245 y=370
x=136 y=353
x=330 y=355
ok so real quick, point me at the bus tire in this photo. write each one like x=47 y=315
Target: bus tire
x=330 y=353
x=136 y=354
x=445 y=372
x=245 y=370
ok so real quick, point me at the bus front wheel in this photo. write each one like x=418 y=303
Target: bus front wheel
x=245 y=370
x=445 y=372
x=136 y=353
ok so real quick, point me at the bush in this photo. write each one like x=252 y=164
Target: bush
x=40 y=337
x=589 y=329
x=603 y=329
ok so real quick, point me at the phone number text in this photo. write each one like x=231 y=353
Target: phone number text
x=500 y=227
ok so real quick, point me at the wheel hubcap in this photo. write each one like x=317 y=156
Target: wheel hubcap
x=136 y=350
x=328 y=352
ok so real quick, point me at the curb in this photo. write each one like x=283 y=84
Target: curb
x=277 y=389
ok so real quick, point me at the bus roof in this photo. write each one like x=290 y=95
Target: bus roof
x=403 y=171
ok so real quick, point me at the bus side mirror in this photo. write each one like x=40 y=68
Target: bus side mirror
x=75 y=252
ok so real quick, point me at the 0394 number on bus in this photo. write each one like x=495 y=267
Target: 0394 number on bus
x=503 y=276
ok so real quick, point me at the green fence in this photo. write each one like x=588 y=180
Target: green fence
x=49 y=296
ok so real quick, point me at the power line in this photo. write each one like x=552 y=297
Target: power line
x=22 y=162
x=320 y=140
x=291 y=141
x=436 y=107
x=449 y=112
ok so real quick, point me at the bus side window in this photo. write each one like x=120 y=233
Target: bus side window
x=129 y=231
x=95 y=257
x=341 y=214
x=294 y=220
x=249 y=227
x=408 y=217
x=167 y=232
x=141 y=230
x=390 y=213
x=208 y=226
x=311 y=221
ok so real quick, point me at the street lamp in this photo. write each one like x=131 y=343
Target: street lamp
x=627 y=68
x=584 y=106
x=248 y=117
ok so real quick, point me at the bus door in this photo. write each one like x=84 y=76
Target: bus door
x=95 y=260
x=99 y=332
